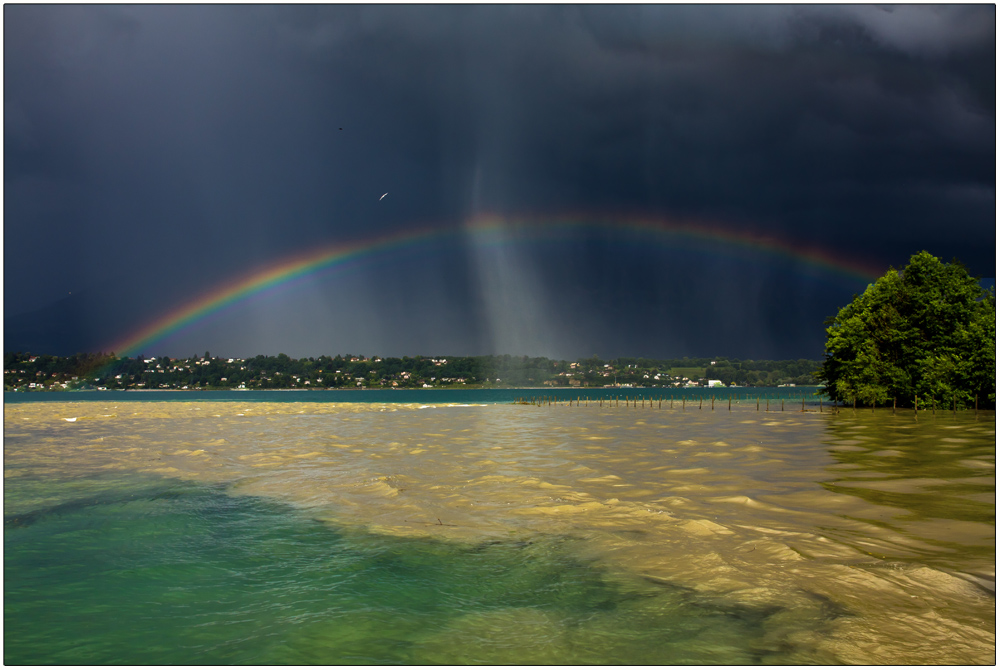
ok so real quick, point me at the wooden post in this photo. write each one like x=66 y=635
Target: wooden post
x=954 y=404
x=803 y=402
x=782 y=404
x=699 y=401
x=894 y=405
x=758 y=403
x=977 y=405
x=767 y=403
x=730 y=403
x=713 y=402
x=683 y=401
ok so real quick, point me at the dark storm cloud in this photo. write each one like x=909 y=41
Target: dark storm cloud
x=795 y=118
x=152 y=151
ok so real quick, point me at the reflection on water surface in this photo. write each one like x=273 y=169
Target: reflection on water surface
x=548 y=534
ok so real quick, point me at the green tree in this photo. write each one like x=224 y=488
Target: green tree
x=928 y=331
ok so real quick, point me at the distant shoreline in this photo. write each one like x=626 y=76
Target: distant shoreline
x=29 y=372
x=579 y=389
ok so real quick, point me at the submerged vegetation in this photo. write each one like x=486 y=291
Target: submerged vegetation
x=24 y=371
x=925 y=335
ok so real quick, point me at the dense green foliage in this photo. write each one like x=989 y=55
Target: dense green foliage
x=928 y=332
x=23 y=371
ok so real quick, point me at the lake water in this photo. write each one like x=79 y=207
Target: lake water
x=250 y=531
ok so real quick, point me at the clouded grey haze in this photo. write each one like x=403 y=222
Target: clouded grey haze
x=154 y=152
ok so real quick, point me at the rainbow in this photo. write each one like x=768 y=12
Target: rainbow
x=486 y=229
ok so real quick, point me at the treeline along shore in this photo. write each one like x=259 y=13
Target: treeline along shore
x=28 y=372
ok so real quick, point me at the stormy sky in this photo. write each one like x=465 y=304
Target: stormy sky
x=153 y=153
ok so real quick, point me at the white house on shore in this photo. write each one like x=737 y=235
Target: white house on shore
x=715 y=382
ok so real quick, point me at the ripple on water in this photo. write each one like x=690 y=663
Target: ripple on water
x=802 y=511
x=179 y=571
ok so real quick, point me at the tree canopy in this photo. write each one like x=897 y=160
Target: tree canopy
x=927 y=332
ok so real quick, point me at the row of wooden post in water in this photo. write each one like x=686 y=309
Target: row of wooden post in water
x=658 y=401
x=954 y=405
x=550 y=400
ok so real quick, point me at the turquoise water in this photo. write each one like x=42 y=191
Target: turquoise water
x=137 y=572
x=291 y=532
x=429 y=396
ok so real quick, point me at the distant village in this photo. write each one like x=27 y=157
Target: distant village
x=28 y=372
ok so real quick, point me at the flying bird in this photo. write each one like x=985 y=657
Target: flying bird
x=383 y=195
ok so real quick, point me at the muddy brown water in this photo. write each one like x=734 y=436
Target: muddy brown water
x=880 y=525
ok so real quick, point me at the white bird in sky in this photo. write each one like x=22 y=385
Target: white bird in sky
x=383 y=195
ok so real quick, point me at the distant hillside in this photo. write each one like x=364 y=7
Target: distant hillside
x=28 y=372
